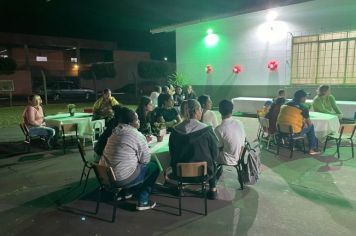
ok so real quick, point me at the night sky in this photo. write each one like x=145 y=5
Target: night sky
x=126 y=22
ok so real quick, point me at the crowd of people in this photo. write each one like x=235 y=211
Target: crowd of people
x=195 y=134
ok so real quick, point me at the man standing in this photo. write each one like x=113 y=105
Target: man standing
x=231 y=135
x=294 y=113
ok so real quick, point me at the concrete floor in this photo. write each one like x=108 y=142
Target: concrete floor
x=301 y=196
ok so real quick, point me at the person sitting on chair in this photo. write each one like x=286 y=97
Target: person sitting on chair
x=194 y=141
x=295 y=114
x=165 y=112
x=33 y=119
x=231 y=135
x=324 y=102
x=103 y=106
x=127 y=152
x=208 y=116
x=273 y=113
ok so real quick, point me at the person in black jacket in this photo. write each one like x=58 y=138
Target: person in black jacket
x=194 y=141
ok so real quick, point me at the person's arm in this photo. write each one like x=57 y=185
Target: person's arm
x=214 y=148
x=97 y=105
x=220 y=140
x=144 y=155
x=318 y=106
x=305 y=114
x=31 y=117
x=334 y=105
x=114 y=101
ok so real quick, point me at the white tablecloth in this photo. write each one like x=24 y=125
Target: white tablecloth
x=84 y=121
x=251 y=104
x=324 y=124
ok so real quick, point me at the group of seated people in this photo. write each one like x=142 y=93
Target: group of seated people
x=296 y=112
x=195 y=136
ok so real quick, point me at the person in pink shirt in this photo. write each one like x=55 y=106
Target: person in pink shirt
x=33 y=119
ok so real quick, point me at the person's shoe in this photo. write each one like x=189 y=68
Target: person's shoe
x=142 y=206
x=212 y=195
x=124 y=195
x=313 y=152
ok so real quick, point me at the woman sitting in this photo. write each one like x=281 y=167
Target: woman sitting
x=324 y=102
x=143 y=111
x=33 y=119
x=127 y=152
x=103 y=106
x=273 y=113
x=193 y=141
x=208 y=117
x=165 y=113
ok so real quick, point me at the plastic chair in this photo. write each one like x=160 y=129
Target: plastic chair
x=286 y=131
x=238 y=167
x=263 y=133
x=87 y=166
x=96 y=129
x=68 y=130
x=194 y=173
x=29 y=138
x=345 y=133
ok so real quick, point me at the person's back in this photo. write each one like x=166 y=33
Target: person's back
x=188 y=146
x=273 y=113
x=231 y=135
x=194 y=141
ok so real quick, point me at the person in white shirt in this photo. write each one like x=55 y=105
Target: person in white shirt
x=231 y=135
x=154 y=95
x=208 y=117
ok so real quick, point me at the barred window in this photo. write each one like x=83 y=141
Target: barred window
x=324 y=59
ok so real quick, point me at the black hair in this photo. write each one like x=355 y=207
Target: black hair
x=144 y=101
x=106 y=90
x=203 y=99
x=226 y=107
x=281 y=91
x=165 y=89
x=127 y=115
x=157 y=88
x=162 y=98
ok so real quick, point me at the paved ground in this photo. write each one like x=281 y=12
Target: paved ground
x=300 y=196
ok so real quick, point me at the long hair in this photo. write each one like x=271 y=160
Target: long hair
x=144 y=101
x=323 y=89
x=162 y=98
x=203 y=99
x=189 y=108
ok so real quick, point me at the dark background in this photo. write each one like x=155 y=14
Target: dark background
x=126 y=22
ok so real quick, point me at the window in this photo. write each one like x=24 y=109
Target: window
x=40 y=58
x=324 y=59
x=73 y=59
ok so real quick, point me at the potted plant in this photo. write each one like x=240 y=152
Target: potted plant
x=71 y=109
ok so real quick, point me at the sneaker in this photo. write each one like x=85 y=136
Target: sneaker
x=212 y=195
x=142 y=206
x=312 y=152
x=124 y=195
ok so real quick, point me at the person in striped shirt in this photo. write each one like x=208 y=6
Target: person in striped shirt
x=127 y=152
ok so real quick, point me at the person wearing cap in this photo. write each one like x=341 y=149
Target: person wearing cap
x=295 y=113
x=324 y=102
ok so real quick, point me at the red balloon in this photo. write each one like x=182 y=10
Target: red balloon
x=236 y=69
x=209 y=69
x=272 y=65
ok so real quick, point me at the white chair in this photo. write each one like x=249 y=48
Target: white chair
x=95 y=130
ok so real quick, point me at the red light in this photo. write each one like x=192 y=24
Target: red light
x=272 y=65
x=236 y=69
x=209 y=69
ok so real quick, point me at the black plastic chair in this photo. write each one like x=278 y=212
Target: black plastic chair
x=285 y=131
x=29 y=138
x=87 y=166
x=194 y=173
x=346 y=132
x=238 y=167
